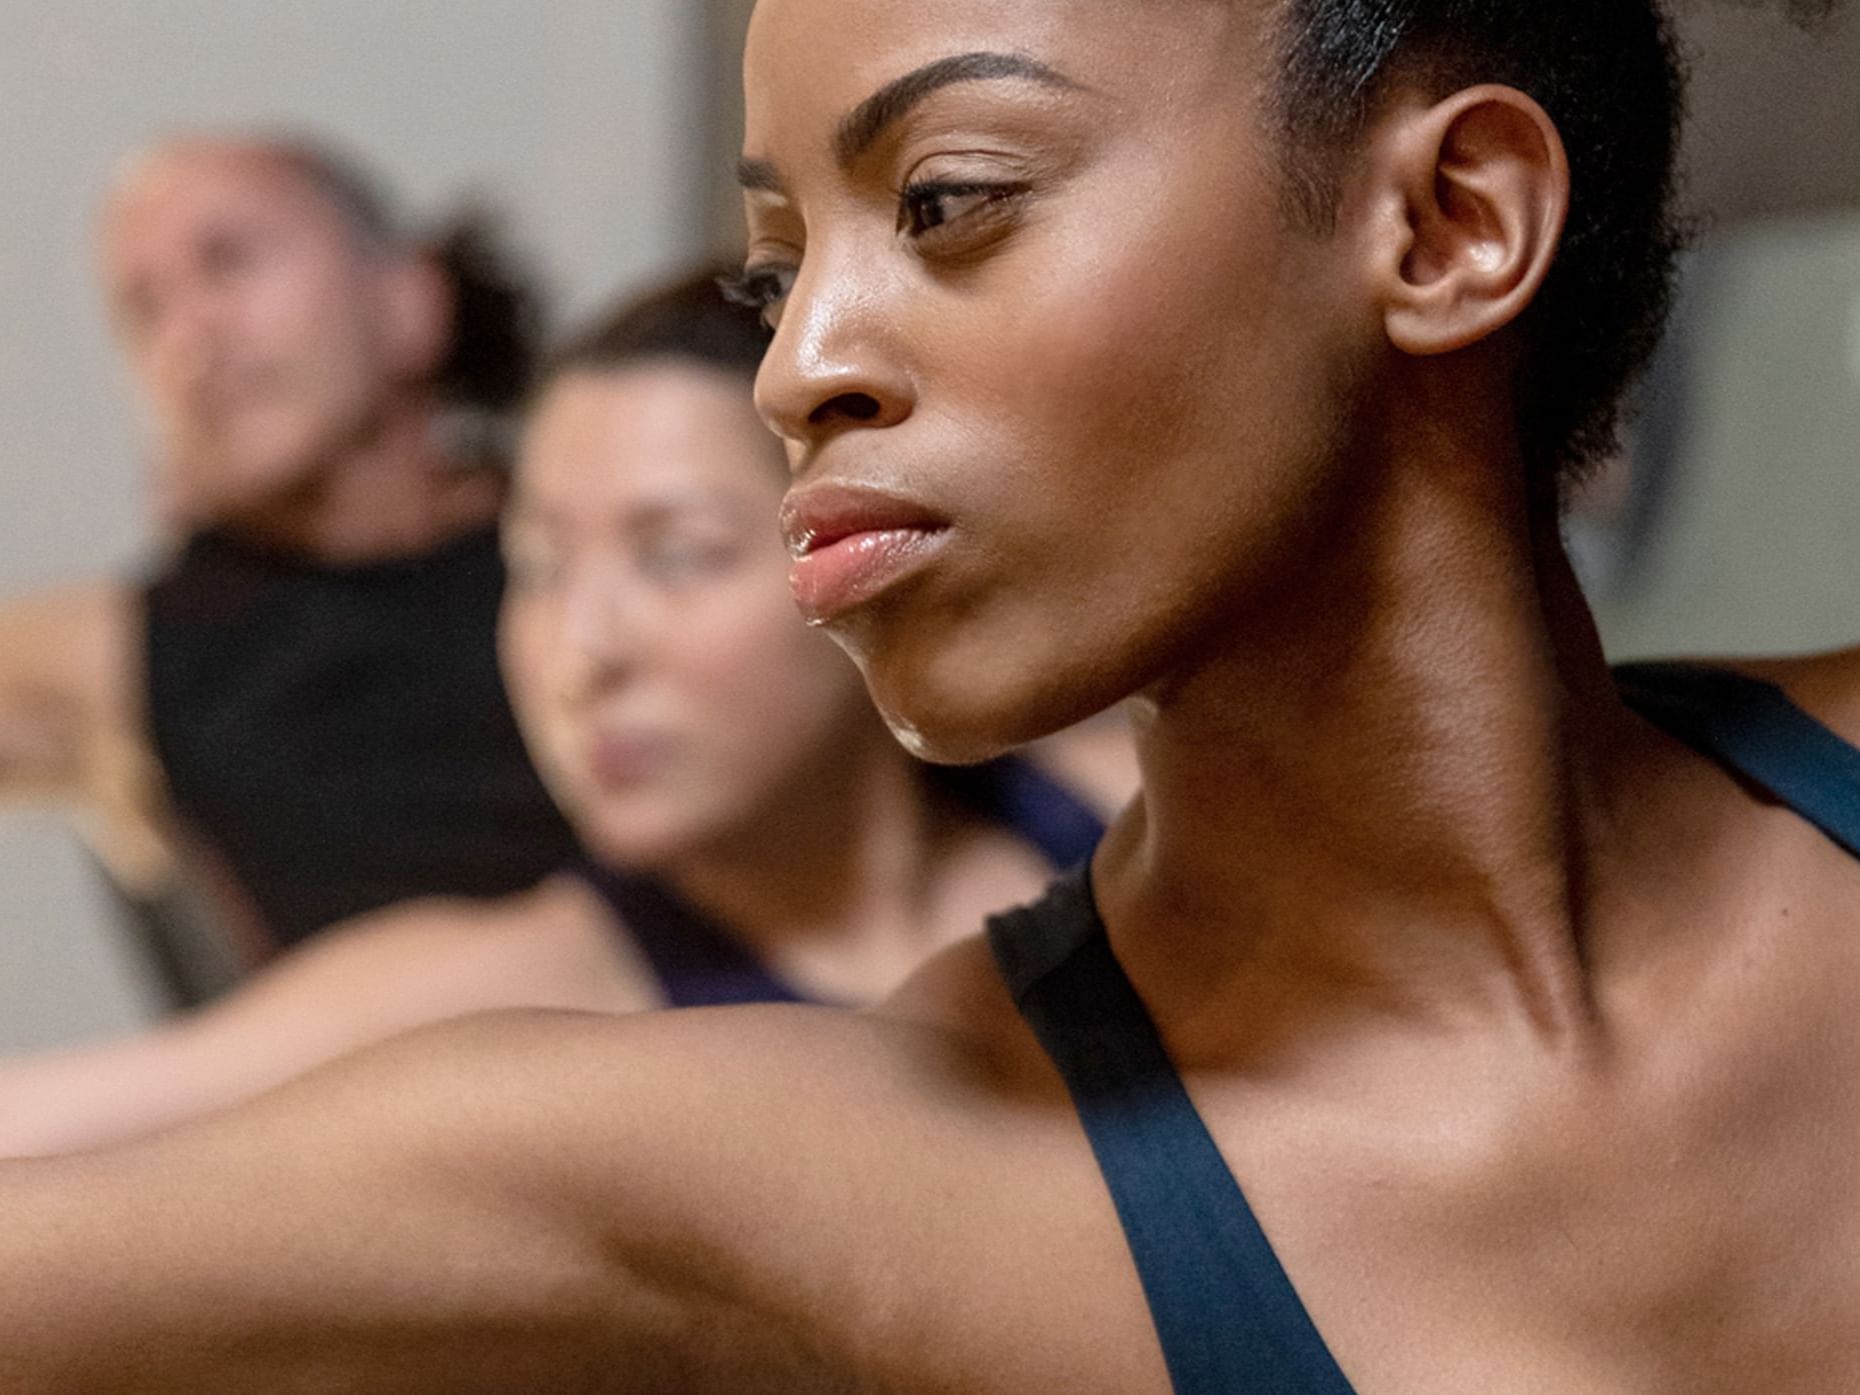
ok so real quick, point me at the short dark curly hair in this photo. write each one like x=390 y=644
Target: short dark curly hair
x=1609 y=74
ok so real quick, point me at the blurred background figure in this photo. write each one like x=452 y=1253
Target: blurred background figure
x=302 y=708
x=754 y=833
x=500 y=99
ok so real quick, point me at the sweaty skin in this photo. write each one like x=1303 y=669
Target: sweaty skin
x=1529 y=1033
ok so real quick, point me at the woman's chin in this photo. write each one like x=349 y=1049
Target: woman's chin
x=942 y=744
x=640 y=840
x=958 y=723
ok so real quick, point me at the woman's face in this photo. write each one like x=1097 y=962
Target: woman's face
x=665 y=686
x=1059 y=381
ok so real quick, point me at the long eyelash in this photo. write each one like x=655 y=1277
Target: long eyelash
x=756 y=289
x=916 y=196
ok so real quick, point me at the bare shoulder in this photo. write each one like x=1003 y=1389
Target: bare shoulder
x=960 y=992
x=769 y=1146
x=1825 y=685
x=553 y=946
x=878 y=1180
x=561 y=930
x=520 y=1198
x=881 y=1179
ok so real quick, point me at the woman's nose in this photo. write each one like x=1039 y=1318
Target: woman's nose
x=603 y=631
x=833 y=366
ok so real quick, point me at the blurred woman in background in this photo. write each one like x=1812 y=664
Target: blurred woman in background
x=754 y=833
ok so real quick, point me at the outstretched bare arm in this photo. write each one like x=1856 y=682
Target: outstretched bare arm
x=508 y=1203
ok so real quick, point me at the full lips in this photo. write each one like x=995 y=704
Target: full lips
x=832 y=580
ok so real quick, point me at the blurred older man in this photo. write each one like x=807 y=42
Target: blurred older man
x=303 y=708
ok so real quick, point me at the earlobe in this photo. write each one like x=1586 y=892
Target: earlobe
x=1481 y=181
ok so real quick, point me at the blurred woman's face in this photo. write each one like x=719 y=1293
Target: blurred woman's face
x=1058 y=380
x=668 y=691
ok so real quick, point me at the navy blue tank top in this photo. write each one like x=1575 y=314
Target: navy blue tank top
x=700 y=962
x=1227 y=1315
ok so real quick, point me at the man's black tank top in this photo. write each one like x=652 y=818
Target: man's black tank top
x=700 y=962
x=339 y=736
x=1228 y=1318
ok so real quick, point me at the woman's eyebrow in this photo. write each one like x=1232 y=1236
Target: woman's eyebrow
x=758 y=176
x=869 y=120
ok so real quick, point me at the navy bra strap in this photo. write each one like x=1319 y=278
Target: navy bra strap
x=1228 y=1317
x=697 y=961
x=1753 y=728
x=1229 y=1320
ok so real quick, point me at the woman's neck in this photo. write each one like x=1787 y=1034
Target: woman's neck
x=1399 y=809
x=841 y=876
x=393 y=493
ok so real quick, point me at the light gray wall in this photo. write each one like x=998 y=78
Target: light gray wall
x=1755 y=550
x=1775 y=111
x=583 y=117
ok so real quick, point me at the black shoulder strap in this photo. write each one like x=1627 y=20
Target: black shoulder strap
x=1227 y=1315
x=1752 y=727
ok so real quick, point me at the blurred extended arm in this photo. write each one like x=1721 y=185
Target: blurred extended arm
x=70 y=723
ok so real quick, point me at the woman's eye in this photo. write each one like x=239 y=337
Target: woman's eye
x=759 y=288
x=675 y=563
x=923 y=208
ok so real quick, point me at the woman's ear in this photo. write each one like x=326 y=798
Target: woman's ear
x=419 y=313
x=1473 y=193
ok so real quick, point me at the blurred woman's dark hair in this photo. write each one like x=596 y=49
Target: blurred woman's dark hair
x=498 y=321
x=689 y=318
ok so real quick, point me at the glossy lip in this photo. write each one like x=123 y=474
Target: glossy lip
x=851 y=543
